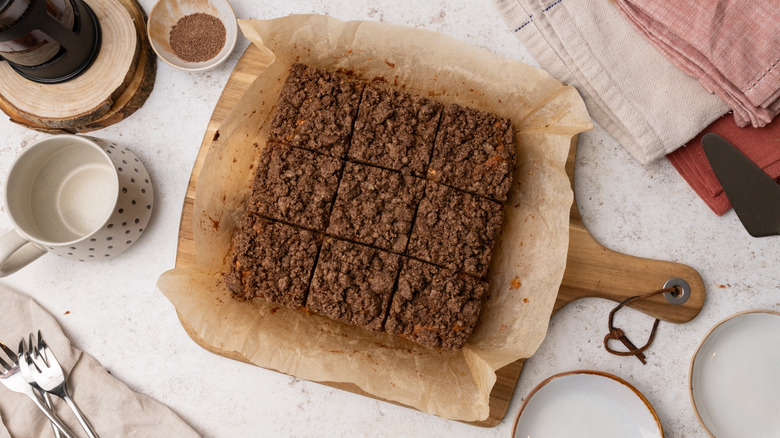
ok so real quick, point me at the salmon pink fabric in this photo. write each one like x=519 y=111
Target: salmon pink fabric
x=761 y=145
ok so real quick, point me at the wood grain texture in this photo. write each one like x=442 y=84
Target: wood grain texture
x=116 y=85
x=591 y=270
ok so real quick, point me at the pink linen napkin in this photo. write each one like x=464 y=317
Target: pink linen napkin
x=732 y=47
x=761 y=145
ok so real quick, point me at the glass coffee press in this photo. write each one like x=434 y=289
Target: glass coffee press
x=48 y=41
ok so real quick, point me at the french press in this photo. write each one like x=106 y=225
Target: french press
x=48 y=41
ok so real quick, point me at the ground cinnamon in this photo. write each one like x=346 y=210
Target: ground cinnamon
x=197 y=37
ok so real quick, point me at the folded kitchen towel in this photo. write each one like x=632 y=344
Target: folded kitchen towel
x=637 y=95
x=761 y=145
x=113 y=409
x=731 y=46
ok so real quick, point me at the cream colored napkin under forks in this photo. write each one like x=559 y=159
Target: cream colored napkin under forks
x=113 y=409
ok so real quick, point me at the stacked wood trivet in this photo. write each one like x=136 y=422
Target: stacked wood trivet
x=118 y=82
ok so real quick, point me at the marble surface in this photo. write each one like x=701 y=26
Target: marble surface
x=113 y=311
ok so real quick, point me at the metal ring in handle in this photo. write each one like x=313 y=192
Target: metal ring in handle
x=16 y=252
x=683 y=291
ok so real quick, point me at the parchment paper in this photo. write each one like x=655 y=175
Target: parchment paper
x=529 y=258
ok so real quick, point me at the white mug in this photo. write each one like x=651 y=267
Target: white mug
x=79 y=197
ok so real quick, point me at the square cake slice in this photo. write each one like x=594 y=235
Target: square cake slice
x=295 y=185
x=455 y=229
x=375 y=206
x=316 y=110
x=395 y=130
x=435 y=307
x=271 y=260
x=353 y=283
x=474 y=152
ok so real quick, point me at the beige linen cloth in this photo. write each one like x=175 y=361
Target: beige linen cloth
x=643 y=100
x=112 y=408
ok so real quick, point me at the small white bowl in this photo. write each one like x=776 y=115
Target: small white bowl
x=584 y=404
x=166 y=13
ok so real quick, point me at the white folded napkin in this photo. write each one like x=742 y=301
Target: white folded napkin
x=113 y=409
x=645 y=102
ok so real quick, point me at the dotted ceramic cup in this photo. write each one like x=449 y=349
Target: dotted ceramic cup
x=79 y=197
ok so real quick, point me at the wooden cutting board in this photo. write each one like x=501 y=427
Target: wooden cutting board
x=591 y=269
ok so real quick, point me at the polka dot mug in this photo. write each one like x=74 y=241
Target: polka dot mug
x=79 y=197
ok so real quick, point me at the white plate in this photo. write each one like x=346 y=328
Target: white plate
x=586 y=404
x=735 y=376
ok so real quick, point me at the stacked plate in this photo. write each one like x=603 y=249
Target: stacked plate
x=735 y=376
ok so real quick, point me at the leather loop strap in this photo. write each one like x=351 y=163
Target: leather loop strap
x=618 y=334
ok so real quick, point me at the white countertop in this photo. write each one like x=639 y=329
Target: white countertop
x=113 y=310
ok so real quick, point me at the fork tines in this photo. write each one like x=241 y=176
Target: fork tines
x=11 y=355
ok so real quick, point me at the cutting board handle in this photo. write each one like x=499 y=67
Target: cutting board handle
x=595 y=271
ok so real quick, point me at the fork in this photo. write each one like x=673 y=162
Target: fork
x=13 y=380
x=24 y=368
x=48 y=374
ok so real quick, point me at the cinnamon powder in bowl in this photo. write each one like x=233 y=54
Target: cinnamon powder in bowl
x=197 y=37
x=192 y=35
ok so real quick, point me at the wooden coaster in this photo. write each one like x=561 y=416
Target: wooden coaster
x=118 y=82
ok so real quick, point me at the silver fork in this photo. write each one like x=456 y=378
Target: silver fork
x=24 y=368
x=13 y=380
x=48 y=374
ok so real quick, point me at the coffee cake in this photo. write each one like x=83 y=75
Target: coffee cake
x=271 y=260
x=353 y=283
x=474 y=152
x=316 y=110
x=295 y=185
x=395 y=130
x=406 y=206
x=455 y=229
x=435 y=307
x=376 y=206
